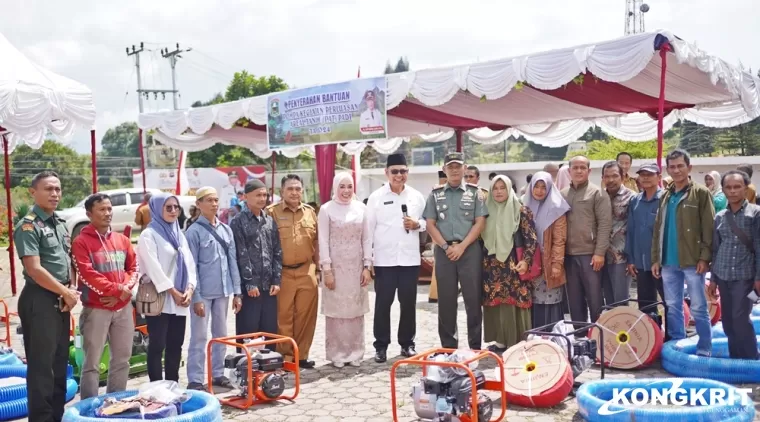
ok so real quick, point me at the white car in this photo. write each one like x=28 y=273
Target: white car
x=124 y=202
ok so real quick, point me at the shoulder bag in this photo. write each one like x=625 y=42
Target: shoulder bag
x=739 y=232
x=148 y=301
x=218 y=238
x=535 y=267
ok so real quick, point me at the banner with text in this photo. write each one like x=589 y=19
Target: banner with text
x=328 y=114
x=227 y=181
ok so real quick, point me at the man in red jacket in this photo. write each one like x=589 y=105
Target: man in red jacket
x=108 y=271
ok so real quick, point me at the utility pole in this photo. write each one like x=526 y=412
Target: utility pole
x=136 y=53
x=173 y=56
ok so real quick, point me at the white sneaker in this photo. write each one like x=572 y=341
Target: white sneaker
x=339 y=364
x=355 y=363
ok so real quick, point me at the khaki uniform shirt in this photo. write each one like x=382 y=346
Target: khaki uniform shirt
x=298 y=233
x=44 y=235
x=454 y=209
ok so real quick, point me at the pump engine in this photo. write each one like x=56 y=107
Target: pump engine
x=267 y=378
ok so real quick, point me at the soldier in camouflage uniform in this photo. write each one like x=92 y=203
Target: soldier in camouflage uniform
x=45 y=303
x=456 y=215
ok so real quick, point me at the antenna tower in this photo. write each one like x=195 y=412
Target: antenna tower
x=634 y=16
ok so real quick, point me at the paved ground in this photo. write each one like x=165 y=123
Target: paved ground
x=363 y=394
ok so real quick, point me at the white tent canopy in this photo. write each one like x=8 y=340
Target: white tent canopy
x=539 y=96
x=34 y=100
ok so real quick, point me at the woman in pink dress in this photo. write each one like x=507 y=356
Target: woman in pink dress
x=345 y=261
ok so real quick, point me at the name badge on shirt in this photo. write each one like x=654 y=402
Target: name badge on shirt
x=388 y=203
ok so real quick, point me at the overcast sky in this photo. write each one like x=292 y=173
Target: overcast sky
x=309 y=42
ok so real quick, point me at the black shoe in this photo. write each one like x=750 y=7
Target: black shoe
x=306 y=364
x=408 y=352
x=495 y=349
x=196 y=386
x=381 y=356
x=431 y=300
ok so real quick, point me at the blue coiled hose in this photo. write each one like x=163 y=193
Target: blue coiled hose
x=680 y=359
x=19 y=408
x=717 y=330
x=13 y=401
x=201 y=407
x=593 y=395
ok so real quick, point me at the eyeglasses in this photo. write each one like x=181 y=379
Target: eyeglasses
x=399 y=171
x=469 y=176
x=171 y=208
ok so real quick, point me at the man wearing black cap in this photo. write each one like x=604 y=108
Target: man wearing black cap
x=394 y=219
x=638 y=237
x=456 y=215
x=259 y=258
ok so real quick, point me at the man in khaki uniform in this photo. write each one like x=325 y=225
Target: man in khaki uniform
x=297 y=301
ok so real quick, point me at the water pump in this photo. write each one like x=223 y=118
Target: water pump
x=267 y=375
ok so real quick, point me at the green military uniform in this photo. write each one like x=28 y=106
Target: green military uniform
x=454 y=210
x=45 y=327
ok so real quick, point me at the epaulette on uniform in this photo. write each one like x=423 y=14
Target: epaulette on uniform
x=305 y=205
x=30 y=217
x=438 y=187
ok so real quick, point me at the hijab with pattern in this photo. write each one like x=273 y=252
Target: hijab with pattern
x=502 y=222
x=547 y=211
x=339 y=178
x=171 y=233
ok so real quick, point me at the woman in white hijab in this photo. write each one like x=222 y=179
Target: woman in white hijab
x=713 y=181
x=345 y=258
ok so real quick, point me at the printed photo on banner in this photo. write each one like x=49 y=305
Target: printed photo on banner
x=328 y=114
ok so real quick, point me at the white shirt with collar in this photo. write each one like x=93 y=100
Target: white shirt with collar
x=392 y=245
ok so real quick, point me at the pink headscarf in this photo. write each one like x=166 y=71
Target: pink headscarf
x=341 y=177
x=563 y=178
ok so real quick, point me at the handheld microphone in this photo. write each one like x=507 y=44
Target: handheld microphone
x=404 y=211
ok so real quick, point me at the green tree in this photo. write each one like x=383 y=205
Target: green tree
x=608 y=150
x=696 y=139
x=119 y=155
x=402 y=65
x=73 y=168
x=243 y=85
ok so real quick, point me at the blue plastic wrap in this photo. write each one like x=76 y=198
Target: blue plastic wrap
x=680 y=359
x=200 y=407
x=756 y=310
x=10 y=359
x=717 y=330
x=592 y=395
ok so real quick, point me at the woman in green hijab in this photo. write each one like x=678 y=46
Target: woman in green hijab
x=506 y=299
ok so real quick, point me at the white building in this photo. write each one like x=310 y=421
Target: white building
x=423 y=178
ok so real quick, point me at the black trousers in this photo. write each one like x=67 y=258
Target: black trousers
x=647 y=288
x=584 y=289
x=388 y=281
x=736 y=309
x=258 y=314
x=166 y=333
x=46 y=344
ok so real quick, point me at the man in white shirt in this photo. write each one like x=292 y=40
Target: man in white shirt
x=395 y=222
x=371 y=119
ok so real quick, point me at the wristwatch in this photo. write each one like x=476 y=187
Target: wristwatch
x=445 y=246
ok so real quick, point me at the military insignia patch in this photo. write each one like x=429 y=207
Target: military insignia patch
x=41 y=224
x=27 y=227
